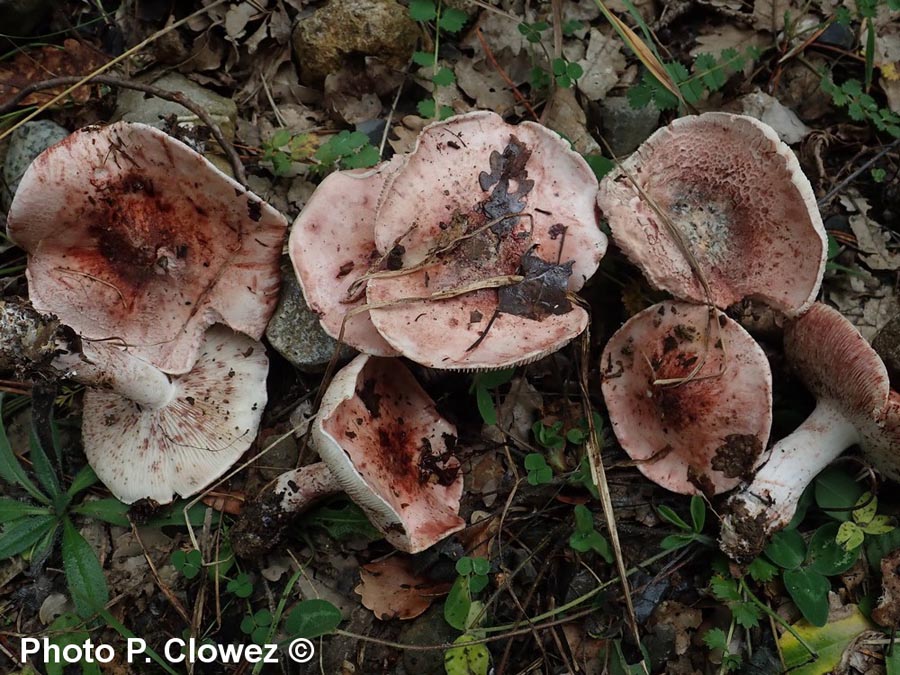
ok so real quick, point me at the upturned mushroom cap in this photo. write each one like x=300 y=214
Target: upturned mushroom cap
x=193 y=437
x=741 y=202
x=133 y=235
x=384 y=441
x=332 y=245
x=701 y=435
x=498 y=200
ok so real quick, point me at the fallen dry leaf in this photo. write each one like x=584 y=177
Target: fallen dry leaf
x=392 y=591
x=44 y=63
x=871 y=237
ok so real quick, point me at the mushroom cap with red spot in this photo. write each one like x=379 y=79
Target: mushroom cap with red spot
x=837 y=364
x=134 y=236
x=738 y=197
x=332 y=245
x=706 y=433
x=184 y=446
x=487 y=195
x=383 y=439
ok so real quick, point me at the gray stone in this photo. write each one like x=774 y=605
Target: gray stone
x=294 y=330
x=429 y=629
x=135 y=106
x=624 y=127
x=324 y=39
x=20 y=17
x=26 y=143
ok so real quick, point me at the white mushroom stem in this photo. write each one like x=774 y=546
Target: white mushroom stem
x=769 y=502
x=264 y=520
x=127 y=375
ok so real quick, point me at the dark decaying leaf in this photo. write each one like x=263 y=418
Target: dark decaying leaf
x=542 y=292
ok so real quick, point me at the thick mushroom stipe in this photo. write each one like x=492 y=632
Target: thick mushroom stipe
x=332 y=245
x=132 y=235
x=384 y=441
x=855 y=405
x=706 y=433
x=738 y=197
x=493 y=198
x=184 y=444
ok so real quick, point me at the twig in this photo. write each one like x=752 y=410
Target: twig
x=512 y=85
x=174 y=96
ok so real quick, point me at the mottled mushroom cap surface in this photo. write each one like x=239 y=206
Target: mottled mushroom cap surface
x=332 y=245
x=133 y=235
x=739 y=198
x=702 y=435
x=466 y=181
x=836 y=363
x=384 y=441
x=183 y=447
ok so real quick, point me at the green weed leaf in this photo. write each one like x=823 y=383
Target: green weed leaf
x=85 y=577
x=312 y=618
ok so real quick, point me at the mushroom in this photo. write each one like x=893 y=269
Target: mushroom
x=132 y=235
x=332 y=246
x=480 y=205
x=855 y=406
x=689 y=395
x=149 y=436
x=740 y=203
x=381 y=441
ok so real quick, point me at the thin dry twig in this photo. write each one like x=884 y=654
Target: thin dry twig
x=502 y=73
x=234 y=159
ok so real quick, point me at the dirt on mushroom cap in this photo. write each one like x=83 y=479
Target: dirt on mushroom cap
x=503 y=193
x=703 y=430
x=133 y=235
x=738 y=197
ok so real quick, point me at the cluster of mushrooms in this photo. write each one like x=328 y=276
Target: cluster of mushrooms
x=465 y=254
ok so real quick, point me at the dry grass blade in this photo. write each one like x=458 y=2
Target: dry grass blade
x=598 y=475
x=645 y=55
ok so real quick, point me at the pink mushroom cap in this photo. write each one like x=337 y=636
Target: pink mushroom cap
x=518 y=201
x=703 y=434
x=332 y=245
x=738 y=197
x=134 y=236
x=383 y=439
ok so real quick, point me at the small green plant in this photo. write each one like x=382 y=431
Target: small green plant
x=31 y=528
x=860 y=105
x=257 y=625
x=878 y=174
x=690 y=533
x=240 y=586
x=189 y=563
x=707 y=74
x=444 y=20
x=566 y=72
x=586 y=538
x=482 y=385
x=539 y=472
x=716 y=639
x=344 y=150
x=471 y=581
x=863 y=520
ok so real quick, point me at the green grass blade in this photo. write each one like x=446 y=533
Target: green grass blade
x=84 y=479
x=42 y=467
